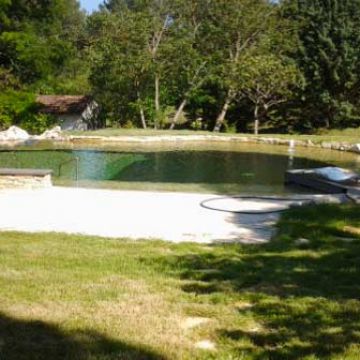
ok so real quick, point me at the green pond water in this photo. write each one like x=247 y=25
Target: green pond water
x=222 y=168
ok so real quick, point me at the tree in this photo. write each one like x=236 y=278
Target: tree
x=37 y=38
x=151 y=22
x=236 y=26
x=329 y=56
x=121 y=63
x=267 y=81
x=155 y=45
x=190 y=59
x=39 y=53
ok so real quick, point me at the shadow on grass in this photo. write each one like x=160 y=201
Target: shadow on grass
x=304 y=296
x=37 y=340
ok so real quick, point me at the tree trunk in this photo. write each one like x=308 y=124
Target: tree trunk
x=157 y=98
x=327 y=123
x=178 y=113
x=256 y=121
x=142 y=113
x=142 y=117
x=157 y=93
x=221 y=118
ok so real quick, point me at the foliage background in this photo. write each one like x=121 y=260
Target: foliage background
x=186 y=63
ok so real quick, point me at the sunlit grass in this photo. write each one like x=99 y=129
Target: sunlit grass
x=79 y=297
x=350 y=135
x=136 y=132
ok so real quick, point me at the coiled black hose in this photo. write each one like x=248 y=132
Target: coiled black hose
x=205 y=204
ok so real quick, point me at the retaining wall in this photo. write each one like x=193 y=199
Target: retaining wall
x=25 y=178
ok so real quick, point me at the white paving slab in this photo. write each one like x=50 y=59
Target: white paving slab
x=132 y=214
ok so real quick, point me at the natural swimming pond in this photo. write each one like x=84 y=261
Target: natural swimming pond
x=223 y=168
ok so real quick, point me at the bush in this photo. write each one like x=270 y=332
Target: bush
x=5 y=121
x=19 y=108
x=196 y=124
x=162 y=117
x=129 y=125
x=15 y=106
x=37 y=123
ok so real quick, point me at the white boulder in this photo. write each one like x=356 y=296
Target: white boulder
x=14 y=133
x=302 y=241
x=54 y=133
x=356 y=148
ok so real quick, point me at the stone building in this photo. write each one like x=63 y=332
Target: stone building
x=72 y=112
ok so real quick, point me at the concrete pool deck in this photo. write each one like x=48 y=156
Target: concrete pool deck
x=173 y=217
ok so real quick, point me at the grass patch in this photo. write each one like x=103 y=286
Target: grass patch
x=350 y=135
x=136 y=132
x=78 y=297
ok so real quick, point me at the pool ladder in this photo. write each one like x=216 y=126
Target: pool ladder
x=76 y=159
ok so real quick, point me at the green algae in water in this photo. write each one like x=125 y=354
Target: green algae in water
x=92 y=165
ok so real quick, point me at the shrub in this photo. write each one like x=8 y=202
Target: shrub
x=15 y=106
x=37 y=123
x=19 y=108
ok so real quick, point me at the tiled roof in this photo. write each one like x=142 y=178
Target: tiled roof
x=62 y=104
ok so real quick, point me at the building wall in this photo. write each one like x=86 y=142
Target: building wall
x=72 y=122
x=91 y=113
x=79 y=121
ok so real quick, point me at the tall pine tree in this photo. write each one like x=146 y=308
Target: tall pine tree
x=329 y=56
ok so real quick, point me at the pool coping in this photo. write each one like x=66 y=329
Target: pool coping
x=25 y=172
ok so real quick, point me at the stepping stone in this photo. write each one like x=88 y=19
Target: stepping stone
x=192 y=322
x=206 y=345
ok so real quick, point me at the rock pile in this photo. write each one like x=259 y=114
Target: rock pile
x=14 y=133
x=52 y=134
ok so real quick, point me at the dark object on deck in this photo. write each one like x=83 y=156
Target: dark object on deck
x=332 y=180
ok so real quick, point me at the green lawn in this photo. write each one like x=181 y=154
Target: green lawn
x=351 y=135
x=77 y=297
x=136 y=132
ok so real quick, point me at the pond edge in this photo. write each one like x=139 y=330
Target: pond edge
x=330 y=145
